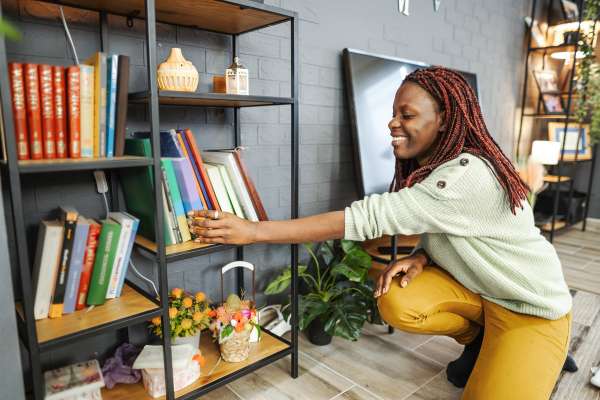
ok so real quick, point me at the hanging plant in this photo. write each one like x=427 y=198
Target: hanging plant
x=588 y=86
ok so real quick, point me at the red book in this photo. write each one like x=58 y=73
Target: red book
x=73 y=93
x=196 y=157
x=34 y=113
x=256 y=201
x=60 y=110
x=47 y=101
x=18 y=107
x=88 y=264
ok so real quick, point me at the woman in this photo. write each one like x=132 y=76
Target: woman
x=481 y=265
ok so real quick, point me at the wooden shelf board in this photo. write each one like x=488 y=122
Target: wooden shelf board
x=130 y=304
x=372 y=246
x=231 y=16
x=268 y=346
x=182 y=250
x=555 y=48
x=81 y=164
x=547 y=227
x=556 y=178
x=209 y=99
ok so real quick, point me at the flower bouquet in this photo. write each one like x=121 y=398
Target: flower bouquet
x=188 y=316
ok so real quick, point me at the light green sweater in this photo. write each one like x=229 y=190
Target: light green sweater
x=468 y=229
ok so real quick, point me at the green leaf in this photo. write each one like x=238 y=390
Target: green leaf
x=7 y=29
x=310 y=308
x=226 y=332
x=346 y=320
x=358 y=258
x=349 y=245
x=283 y=280
x=352 y=273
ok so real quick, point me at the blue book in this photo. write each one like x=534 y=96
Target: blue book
x=169 y=147
x=82 y=229
x=187 y=186
x=112 y=66
x=196 y=172
x=136 y=224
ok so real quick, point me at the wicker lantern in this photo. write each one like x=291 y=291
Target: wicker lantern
x=236 y=78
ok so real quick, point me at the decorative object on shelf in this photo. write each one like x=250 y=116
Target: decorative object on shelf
x=547 y=83
x=118 y=368
x=177 y=74
x=81 y=381
x=436 y=5
x=403 y=6
x=340 y=298
x=186 y=362
x=577 y=141
x=545 y=152
x=279 y=325
x=235 y=319
x=536 y=32
x=188 y=315
x=570 y=9
x=237 y=78
x=219 y=84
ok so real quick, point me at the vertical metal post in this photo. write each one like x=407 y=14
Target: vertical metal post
x=590 y=184
x=153 y=112
x=394 y=246
x=18 y=222
x=294 y=189
x=104 y=47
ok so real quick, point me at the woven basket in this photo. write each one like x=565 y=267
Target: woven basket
x=177 y=74
x=237 y=347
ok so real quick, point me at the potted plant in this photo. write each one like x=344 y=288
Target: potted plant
x=338 y=296
x=188 y=316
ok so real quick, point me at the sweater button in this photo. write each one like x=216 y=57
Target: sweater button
x=464 y=161
x=441 y=184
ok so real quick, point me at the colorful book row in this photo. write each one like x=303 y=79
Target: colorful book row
x=77 y=111
x=191 y=180
x=80 y=261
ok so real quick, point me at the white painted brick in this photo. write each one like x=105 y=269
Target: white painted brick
x=272 y=69
x=309 y=74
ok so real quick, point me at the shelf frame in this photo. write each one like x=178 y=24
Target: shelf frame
x=187 y=99
x=82 y=164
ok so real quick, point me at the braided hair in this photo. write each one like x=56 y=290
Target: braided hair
x=465 y=132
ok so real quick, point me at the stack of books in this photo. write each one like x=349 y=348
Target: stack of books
x=77 y=111
x=192 y=180
x=80 y=261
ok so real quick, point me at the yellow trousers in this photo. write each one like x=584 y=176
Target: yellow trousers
x=521 y=356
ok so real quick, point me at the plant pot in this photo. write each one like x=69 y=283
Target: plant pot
x=316 y=333
x=192 y=340
x=236 y=347
x=177 y=74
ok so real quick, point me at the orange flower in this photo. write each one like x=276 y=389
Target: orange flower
x=239 y=328
x=156 y=321
x=197 y=317
x=200 y=297
x=212 y=313
x=177 y=293
x=199 y=359
x=186 y=323
x=172 y=312
x=187 y=302
x=237 y=316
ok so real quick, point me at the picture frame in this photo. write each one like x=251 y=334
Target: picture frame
x=583 y=151
x=570 y=9
x=546 y=80
x=553 y=103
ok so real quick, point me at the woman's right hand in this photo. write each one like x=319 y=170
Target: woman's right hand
x=411 y=266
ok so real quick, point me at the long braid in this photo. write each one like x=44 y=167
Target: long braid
x=465 y=132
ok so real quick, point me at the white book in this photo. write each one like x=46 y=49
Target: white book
x=120 y=257
x=237 y=209
x=237 y=180
x=219 y=187
x=45 y=268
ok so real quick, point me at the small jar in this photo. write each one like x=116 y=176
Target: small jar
x=236 y=78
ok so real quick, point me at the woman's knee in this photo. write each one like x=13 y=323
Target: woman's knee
x=400 y=309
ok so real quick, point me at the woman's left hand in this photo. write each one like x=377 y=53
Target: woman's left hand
x=210 y=226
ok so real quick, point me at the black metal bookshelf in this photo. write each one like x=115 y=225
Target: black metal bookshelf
x=232 y=17
x=567 y=117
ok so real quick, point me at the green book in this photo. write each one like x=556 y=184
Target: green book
x=103 y=264
x=180 y=215
x=138 y=189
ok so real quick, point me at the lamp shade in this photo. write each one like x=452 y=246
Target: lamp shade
x=545 y=152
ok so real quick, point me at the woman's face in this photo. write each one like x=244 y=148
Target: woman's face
x=416 y=123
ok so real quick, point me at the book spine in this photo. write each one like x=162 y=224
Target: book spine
x=134 y=228
x=17 y=87
x=100 y=97
x=171 y=209
x=169 y=232
x=34 y=113
x=86 y=108
x=197 y=178
x=47 y=103
x=198 y=159
x=178 y=208
x=105 y=257
x=111 y=104
x=47 y=259
x=122 y=102
x=187 y=186
x=60 y=110
x=73 y=100
x=88 y=265
x=117 y=270
x=75 y=266
x=56 y=309
x=256 y=201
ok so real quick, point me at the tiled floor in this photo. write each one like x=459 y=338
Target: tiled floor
x=412 y=367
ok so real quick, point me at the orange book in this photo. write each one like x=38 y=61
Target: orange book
x=187 y=156
x=198 y=160
x=17 y=88
x=60 y=110
x=88 y=264
x=73 y=110
x=47 y=102
x=34 y=114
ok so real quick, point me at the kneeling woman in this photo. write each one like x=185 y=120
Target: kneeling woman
x=482 y=273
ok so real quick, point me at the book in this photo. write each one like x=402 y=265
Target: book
x=60 y=110
x=256 y=201
x=86 y=109
x=175 y=196
x=82 y=229
x=88 y=263
x=69 y=218
x=172 y=234
x=136 y=224
x=45 y=265
x=219 y=186
x=198 y=178
x=193 y=150
x=187 y=185
x=169 y=145
x=77 y=381
x=47 y=104
x=122 y=247
x=227 y=159
x=17 y=89
x=73 y=104
x=233 y=198
x=122 y=103
x=112 y=66
x=98 y=61
x=34 y=113
x=105 y=258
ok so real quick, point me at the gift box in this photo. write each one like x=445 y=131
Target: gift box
x=81 y=381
